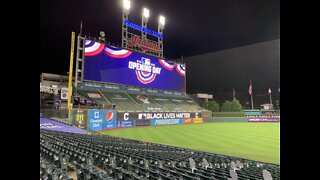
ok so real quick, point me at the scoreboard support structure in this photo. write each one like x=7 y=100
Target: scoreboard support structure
x=79 y=61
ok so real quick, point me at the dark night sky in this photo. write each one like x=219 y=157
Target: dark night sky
x=192 y=27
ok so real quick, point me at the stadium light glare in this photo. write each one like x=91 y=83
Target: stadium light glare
x=145 y=12
x=126 y=4
x=162 y=20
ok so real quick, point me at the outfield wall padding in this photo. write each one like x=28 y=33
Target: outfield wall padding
x=227 y=119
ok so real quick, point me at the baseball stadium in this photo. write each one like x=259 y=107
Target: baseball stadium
x=123 y=112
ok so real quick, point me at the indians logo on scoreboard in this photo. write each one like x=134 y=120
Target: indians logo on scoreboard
x=146 y=71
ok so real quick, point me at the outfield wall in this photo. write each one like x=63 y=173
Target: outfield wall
x=102 y=119
x=227 y=119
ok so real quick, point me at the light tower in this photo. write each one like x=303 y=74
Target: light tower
x=162 y=21
x=125 y=14
x=144 y=22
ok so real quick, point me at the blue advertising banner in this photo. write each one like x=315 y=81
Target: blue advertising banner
x=95 y=120
x=125 y=123
x=109 y=119
x=106 y=63
x=157 y=122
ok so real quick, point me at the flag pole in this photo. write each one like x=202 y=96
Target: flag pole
x=270 y=99
x=234 y=94
x=251 y=96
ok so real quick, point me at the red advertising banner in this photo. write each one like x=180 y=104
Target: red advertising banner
x=187 y=120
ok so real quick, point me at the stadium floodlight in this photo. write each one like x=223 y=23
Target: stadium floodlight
x=145 y=13
x=162 y=20
x=126 y=4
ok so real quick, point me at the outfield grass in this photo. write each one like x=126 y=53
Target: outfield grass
x=256 y=141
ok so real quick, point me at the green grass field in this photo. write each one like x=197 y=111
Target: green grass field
x=256 y=141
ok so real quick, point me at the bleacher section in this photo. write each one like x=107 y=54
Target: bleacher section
x=122 y=100
x=145 y=101
x=165 y=102
x=135 y=101
x=104 y=157
x=187 y=103
x=94 y=95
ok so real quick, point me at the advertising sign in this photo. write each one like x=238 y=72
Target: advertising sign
x=109 y=119
x=95 y=120
x=144 y=29
x=157 y=122
x=155 y=115
x=263 y=119
x=125 y=124
x=165 y=115
x=79 y=118
x=187 y=121
x=64 y=93
x=104 y=63
x=197 y=120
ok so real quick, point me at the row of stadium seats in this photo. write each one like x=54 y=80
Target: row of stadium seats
x=128 y=101
x=118 y=158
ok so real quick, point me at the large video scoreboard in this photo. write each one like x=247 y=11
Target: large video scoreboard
x=104 y=63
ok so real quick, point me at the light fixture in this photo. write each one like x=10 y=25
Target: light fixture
x=145 y=13
x=162 y=20
x=126 y=4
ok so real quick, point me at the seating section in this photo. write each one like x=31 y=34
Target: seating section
x=81 y=101
x=131 y=101
x=165 y=102
x=105 y=157
x=186 y=103
x=94 y=95
x=145 y=101
x=121 y=100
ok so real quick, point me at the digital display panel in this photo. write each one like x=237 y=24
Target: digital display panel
x=104 y=63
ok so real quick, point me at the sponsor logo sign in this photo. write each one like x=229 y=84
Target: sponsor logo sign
x=49 y=126
x=144 y=44
x=157 y=122
x=197 y=120
x=125 y=124
x=109 y=119
x=142 y=98
x=95 y=120
x=94 y=95
x=153 y=108
x=64 y=93
x=144 y=29
x=263 y=118
x=187 y=120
